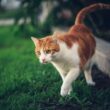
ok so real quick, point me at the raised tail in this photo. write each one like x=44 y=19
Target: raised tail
x=81 y=15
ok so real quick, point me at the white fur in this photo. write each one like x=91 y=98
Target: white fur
x=67 y=61
x=87 y=72
x=47 y=57
x=66 y=58
x=67 y=83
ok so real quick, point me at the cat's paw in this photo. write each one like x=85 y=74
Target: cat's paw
x=65 y=91
x=91 y=83
x=70 y=90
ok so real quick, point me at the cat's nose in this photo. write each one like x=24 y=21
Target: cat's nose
x=43 y=60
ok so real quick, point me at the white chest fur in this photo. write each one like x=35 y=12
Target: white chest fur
x=67 y=58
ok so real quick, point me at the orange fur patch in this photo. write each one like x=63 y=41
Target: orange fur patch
x=86 y=42
x=69 y=39
x=47 y=43
x=83 y=36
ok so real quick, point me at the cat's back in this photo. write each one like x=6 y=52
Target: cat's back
x=81 y=37
x=79 y=28
x=86 y=41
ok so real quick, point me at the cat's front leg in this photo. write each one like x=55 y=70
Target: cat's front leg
x=67 y=83
x=62 y=74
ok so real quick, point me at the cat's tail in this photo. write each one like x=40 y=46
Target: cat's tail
x=81 y=15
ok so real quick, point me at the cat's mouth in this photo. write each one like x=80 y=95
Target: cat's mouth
x=44 y=62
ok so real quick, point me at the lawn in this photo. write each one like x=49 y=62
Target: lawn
x=25 y=84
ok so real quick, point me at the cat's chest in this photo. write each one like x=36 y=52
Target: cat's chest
x=63 y=66
x=67 y=59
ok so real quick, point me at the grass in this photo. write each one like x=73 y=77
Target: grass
x=25 y=84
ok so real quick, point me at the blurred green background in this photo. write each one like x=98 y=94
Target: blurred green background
x=25 y=84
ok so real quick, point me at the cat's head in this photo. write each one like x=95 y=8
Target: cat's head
x=46 y=48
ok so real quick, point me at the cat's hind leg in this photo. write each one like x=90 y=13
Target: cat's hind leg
x=88 y=75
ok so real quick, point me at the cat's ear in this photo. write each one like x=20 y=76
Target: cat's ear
x=35 y=40
x=54 y=37
x=55 y=34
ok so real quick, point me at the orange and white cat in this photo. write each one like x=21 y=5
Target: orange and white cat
x=70 y=52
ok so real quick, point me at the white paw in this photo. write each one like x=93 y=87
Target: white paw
x=70 y=90
x=65 y=91
x=91 y=83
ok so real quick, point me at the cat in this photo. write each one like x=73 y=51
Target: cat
x=70 y=52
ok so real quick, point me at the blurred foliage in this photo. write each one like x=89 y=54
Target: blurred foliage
x=63 y=14
x=33 y=8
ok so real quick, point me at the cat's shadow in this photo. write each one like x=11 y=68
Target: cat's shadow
x=102 y=80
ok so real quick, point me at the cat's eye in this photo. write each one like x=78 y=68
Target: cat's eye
x=38 y=53
x=48 y=51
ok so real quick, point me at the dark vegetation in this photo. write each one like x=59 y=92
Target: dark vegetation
x=98 y=21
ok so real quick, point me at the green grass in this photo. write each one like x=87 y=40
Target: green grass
x=25 y=84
